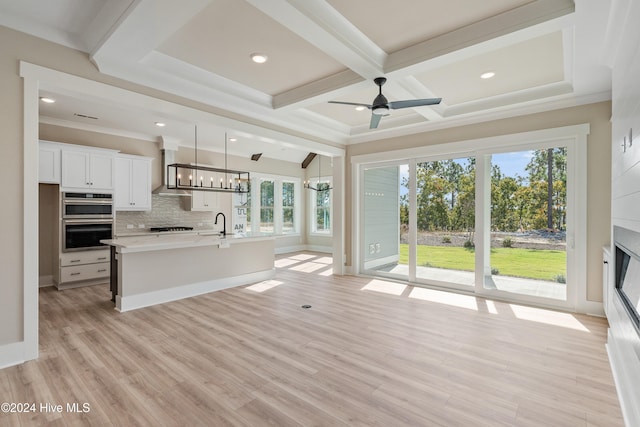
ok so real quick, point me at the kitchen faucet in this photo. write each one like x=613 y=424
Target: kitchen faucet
x=224 y=223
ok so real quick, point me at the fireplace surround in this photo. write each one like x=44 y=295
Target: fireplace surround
x=627 y=272
x=623 y=340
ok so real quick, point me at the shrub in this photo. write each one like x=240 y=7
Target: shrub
x=446 y=239
x=468 y=244
x=494 y=271
x=560 y=278
x=507 y=242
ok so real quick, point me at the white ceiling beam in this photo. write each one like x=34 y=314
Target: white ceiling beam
x=135 y=35
x=319 y=24
x=531 y=14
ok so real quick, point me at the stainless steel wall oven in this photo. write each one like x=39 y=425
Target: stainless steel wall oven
x=87 y=218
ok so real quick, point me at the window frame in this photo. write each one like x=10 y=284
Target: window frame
x=314 y=182
x=256 y=203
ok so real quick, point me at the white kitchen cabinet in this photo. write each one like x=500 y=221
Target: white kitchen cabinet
x=87 y=170
x=49 y=163
x=83 y=268
x=204 y=201
x=132 y=183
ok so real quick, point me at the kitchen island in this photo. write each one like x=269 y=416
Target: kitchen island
x=157 y=268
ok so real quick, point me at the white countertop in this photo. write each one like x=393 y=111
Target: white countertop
x=142 y=242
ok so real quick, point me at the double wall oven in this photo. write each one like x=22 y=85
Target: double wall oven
x=87 y=218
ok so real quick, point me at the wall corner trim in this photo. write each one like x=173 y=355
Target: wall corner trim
x=11 y=354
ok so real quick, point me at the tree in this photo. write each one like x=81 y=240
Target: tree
x=548 y=180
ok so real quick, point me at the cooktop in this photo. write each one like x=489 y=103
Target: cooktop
x=170 y=228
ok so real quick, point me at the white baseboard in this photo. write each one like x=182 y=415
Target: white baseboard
x=11 y=354
x=290 y=249
x=622 y=362
x=147 y=299
x=300 y=248
x=44 y=281
x=321 y=249
x=378 y=262
x=591 y=308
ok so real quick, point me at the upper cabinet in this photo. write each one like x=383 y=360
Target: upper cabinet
x=49 y=163
x=203 y=200
x=87 y=169
x=132 y=183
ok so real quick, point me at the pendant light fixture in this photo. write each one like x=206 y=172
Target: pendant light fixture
x=195 y=177
x=307 y=184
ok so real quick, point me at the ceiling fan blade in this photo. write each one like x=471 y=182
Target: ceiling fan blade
x=375 y=119
x=414 y=103
x=351 y=103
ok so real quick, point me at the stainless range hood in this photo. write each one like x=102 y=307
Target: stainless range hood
x=168 y=150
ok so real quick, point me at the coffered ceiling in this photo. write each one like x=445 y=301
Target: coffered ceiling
x=545 y=54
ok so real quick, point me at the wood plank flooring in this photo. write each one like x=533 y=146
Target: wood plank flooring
x=367 y=353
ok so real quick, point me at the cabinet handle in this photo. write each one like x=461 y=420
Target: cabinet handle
x=606 y=262
x=74 y=260
x=74 y=274
x=102 y=257
x=102 y=270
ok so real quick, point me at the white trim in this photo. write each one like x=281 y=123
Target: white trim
x=464 y=147
x=30 y=212
x=320 y=248
x=369 y=265
x=133 y=302
x=290 y=249
x=300 y=248
x=622 y=363
x=12 y=354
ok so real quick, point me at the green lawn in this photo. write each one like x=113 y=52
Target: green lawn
x=529 y=263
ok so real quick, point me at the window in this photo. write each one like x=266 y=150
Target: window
x=321 y=207
x=277 y=201
x=267 y=203
x=248 y=210
x=288 y=207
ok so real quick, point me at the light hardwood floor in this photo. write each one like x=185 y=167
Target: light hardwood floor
x=367 y=353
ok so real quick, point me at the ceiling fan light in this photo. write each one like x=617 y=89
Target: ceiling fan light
x=381 y=110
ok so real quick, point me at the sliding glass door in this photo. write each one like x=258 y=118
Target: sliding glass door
x=445 y=221
x=501 y=220
x=529 y=215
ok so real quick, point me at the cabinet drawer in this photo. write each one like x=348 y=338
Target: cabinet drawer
x=83 y=257
x=84 y=272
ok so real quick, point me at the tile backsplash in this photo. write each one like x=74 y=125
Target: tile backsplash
x=166 y=211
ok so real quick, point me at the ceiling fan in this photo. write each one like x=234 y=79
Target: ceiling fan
x=381 y=107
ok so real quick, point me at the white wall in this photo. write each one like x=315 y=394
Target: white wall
x=624 y=341
x=381 y=216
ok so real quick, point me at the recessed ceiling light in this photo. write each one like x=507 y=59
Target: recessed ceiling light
x=259 y=58
x=487 y=75
x=232 y=139
x=360 y=108
x=160 y=124
x=47 y=100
